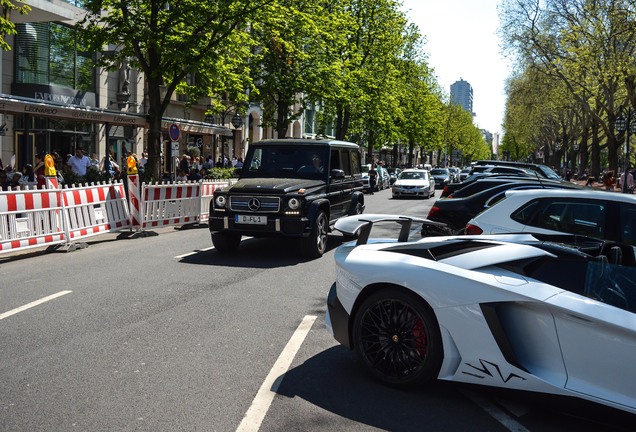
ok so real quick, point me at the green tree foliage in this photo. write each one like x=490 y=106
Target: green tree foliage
x=366 y=39
x=7 y=27
x=589 y=46
x=190 y=46
x=290 y=59
x=460 y=133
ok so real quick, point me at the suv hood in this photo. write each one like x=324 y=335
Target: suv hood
x=273 y=185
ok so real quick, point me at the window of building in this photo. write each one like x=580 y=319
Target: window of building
x=48 y=53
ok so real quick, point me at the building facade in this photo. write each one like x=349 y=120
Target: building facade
x=461 y=93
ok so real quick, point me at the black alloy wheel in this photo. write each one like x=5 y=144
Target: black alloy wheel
x=397 y=337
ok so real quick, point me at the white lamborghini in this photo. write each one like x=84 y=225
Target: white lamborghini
x=518 y=311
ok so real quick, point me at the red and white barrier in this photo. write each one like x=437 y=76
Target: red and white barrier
x=96 y=209
x=52 y=216
x=30 y=218
x=170 y=204
x=135 y=202
x=207 y=192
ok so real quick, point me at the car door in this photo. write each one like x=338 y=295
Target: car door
x=598 y=340
x=337 y=184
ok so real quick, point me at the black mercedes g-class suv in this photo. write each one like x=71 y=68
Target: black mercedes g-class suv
x=291 y=188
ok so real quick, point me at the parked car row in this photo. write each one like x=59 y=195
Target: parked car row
x=513 y=204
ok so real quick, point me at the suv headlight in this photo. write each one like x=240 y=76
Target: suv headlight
x=220 y=201
x=294 y=203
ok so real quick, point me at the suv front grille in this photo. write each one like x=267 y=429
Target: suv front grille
x=261 y=204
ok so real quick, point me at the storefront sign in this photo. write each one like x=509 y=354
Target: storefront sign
x=20 y=106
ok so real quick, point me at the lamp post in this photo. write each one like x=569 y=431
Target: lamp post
x=625 y=122
x=576 y=162
x=557 y=148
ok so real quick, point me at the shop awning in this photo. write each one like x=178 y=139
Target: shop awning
x=21 y=105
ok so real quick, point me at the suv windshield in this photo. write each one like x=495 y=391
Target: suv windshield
x=286 y=161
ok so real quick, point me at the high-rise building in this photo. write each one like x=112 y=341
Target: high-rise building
x=461 y=93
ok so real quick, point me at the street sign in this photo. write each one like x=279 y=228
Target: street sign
x=175 y=146
x=174 y=132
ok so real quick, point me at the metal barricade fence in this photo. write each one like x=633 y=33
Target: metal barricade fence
x=207 y=192
x=46 y=217
x=31 y=218
x=96 y=209
x=170 y=204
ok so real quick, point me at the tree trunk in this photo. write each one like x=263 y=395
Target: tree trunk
x=282 y=123
x=155 y=136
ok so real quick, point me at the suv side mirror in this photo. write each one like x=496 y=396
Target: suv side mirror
x=337 y=174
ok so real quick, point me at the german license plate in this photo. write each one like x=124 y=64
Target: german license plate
x=250 y=219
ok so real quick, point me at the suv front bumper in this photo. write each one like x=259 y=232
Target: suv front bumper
x=276 y=226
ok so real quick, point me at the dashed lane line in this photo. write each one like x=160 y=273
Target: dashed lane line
x=193 y=253
x=263 y=399
x=33 y=304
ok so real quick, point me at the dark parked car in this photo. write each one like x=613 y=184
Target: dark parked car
x=456 y=212
x=289 y=188
x=541 y=170
x=489 y=182
x=451 y=188
x=442 y=177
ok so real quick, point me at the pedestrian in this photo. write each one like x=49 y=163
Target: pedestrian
x=4 y=183
x=629 y=184
x=94 y=162
x=373 y=177
x=181 y=176
x=38 y=170
x=609 y=180
x=79 y=163
x=143 y=160
x=27 y=180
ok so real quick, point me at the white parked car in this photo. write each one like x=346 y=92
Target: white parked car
x=513 y=311
x=413 y=183
x=590 y=212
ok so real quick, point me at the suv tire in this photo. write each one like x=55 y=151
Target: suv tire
x=315 y=245
x=226 y=242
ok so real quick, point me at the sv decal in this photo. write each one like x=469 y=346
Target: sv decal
x=486 y=370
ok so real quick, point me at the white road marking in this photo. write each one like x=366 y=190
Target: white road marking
x=263 y=399
x=193 y=253
x=33 y=304
x=495 y=412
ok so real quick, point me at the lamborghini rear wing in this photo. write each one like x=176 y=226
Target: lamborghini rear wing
x=360 y=225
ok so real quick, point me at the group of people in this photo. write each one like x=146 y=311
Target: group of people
x=32 y=176
x=197 y=168
x=611 y=182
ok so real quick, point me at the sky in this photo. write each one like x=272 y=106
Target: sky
x=462 y=43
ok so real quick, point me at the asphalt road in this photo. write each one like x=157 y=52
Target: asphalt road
x=163 y=333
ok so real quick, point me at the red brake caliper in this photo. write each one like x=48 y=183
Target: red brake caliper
x=420 y=337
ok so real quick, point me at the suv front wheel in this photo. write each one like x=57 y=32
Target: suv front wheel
x=315 y=245
x=226 y=242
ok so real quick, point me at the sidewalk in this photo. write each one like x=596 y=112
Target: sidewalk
x=597 y=185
